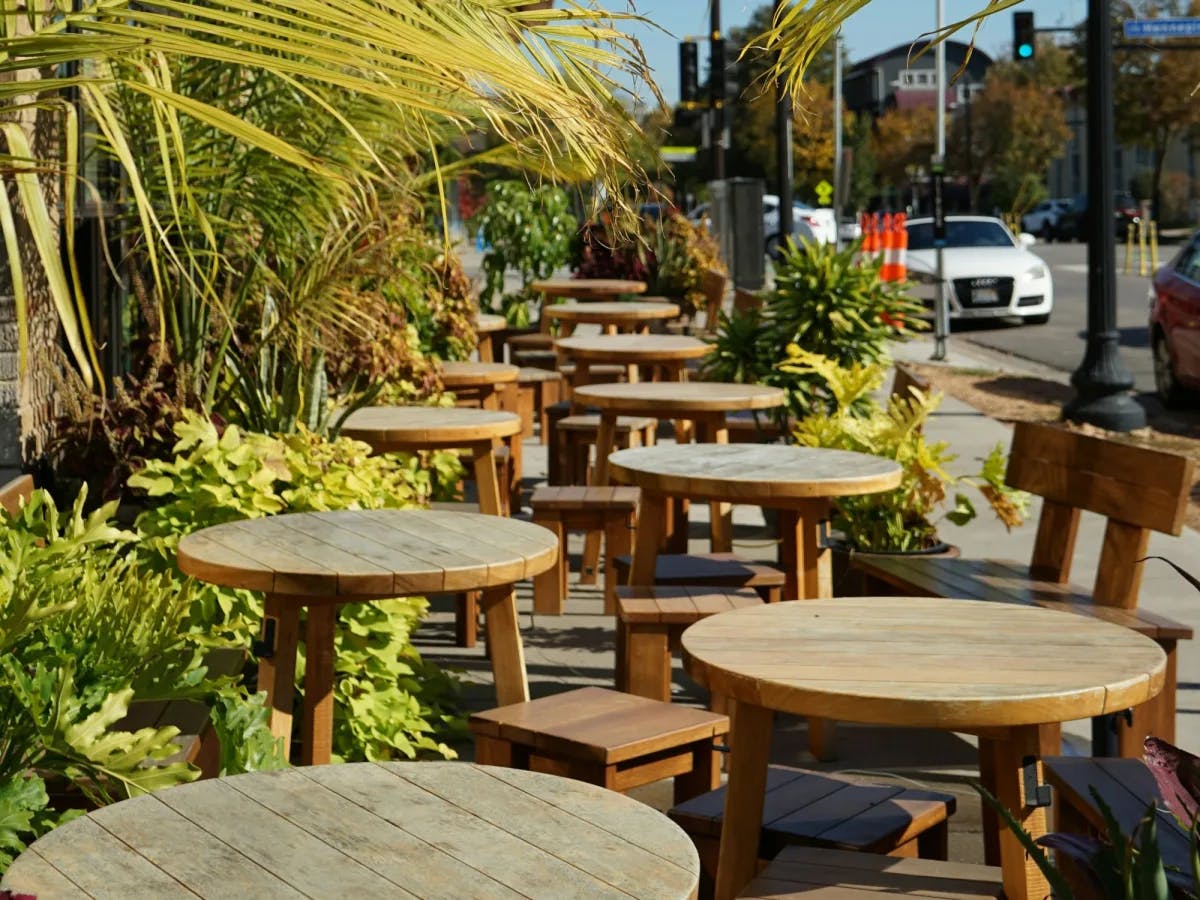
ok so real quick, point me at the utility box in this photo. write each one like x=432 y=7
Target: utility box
x=737 y=222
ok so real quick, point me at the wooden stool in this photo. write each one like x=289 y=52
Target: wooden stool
x=614 y=740
x=819 y=809
x=574 y=437
x=611 y=511
x=804 y=872
x=537 y=389
x=712 y=569
x=649 y=623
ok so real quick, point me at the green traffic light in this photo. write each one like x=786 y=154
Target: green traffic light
x=1025 y=51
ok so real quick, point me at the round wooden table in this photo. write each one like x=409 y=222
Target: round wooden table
x=487 y=324
x=703 y=403
x=667 y=352
x=799 y=481
x=318 y=560
x=997 y=670
x=630 y=315
x=478 y=381
x=437 y=830
x=597 y=289
x=391 y=429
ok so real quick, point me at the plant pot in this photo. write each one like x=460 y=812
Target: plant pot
x=851 y=582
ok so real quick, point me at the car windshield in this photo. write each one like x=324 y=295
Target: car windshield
x=959 y=233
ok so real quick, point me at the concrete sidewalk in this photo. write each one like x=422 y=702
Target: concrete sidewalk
x=577 y=648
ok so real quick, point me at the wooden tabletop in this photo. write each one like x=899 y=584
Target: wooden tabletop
x=603 y=313
x=588 y=288
x=390 y=428
x=368 y=553
x=677 y=398
x=760 y=474
x=489 y=322
x=923 y=661
x=435 y=830
x=633 y=347
x=474 y=374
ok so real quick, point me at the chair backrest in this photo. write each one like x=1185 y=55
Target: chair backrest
x=1137 y=489
x=744 y=300
x=907 y=378
x=713 y=286
x=12 y=493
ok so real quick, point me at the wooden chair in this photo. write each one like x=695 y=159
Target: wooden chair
x=650 y=622
x=15 y=492
x=907 y=378
x=607 y=511
x=614 y=740
x=812 y=872
x=1136 y=489
x=713 y=286
x=821 y=809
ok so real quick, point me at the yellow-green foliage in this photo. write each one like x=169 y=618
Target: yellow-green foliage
x=905 y=518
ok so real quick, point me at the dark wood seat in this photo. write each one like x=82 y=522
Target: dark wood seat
x=650 y=621
x=747 y=428
x=1137 y=489
x=15 y=492
x=607 y=738
x=820 y=809
x=906 y=380
x=812 y=872
x=713 y=569
x=1126 y=787
x=610 y=512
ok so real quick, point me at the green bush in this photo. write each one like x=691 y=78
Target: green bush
x=388 y=701
x=825 y=301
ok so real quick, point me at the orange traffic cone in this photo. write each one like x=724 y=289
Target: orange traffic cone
x=901 y=245
x=886 y=264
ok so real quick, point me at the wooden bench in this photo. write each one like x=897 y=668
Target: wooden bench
x=821 y=809
x=650 y=621
x=1138 y=490
x=821 y=874
x=725 y=570
x=1127 y=787
x=16 y=492
x=614 y=740
x=608 y=511
x=906 y=380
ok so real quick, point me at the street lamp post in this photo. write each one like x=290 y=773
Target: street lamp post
x=1102 y=383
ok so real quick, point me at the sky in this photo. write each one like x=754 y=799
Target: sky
x=880 y=26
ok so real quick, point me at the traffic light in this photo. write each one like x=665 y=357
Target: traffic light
x=689 y=73
x=1024 y=36
x=716 y=72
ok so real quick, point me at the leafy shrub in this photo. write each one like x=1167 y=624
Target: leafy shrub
x=905 y=518
x=85 y=631
x=825 y=301
x=388 y=700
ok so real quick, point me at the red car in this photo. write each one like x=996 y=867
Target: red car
x=1175 y=326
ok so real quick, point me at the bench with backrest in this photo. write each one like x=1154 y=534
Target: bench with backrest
x=1137 y=490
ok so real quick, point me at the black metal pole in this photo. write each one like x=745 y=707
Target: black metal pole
x=716 y=106
x=783 y=149
x=1102 y=383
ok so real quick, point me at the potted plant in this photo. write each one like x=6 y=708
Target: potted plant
x=904 y=520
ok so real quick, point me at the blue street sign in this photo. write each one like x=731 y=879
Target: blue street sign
x=1162 y=28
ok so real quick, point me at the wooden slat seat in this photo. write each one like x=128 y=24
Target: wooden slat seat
x=15 y=492
x=607 y=511
x=713 y=569
x=575 y=435
x=908 y=378
x=1138 y=490
x=1127 y=787
x=650 y=621
x=607 y=738
x=821 y=874
x=745 y=428
x=820 y=809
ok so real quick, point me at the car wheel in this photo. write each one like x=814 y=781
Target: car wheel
x=1040 y=319
x=1169 y=389
x=1047 y=233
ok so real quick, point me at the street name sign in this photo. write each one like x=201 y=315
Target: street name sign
x=1163 y=28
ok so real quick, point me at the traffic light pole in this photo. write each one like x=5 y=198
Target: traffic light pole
x=1102 y=382
x=783 y=149
x=716 y=94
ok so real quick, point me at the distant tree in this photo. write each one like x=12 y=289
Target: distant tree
x=903 y=138
x=812 y=136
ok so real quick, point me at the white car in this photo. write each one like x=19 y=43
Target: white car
x=807 y=222
x=989 y=273
x=1042 y=220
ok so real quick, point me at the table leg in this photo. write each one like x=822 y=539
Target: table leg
x=277 y=664
x=1002 y=757
x=486 y=482
x=652 y=524
x=605 y=441
x=806 y=564
x=485 y=348
x=711 y=429
x=316 y=731
x=504 y=644
x=750 y=748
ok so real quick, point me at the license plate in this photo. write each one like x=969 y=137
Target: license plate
x=982 y=296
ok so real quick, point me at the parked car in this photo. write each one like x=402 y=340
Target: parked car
x=1043 y=218
x=1072 y=223
x=807 y=223
x=1175 y=326
x=989 y=273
